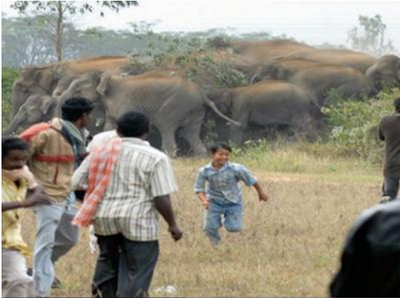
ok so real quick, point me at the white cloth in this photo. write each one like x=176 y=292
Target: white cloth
x=101 y=139
x=15 y=281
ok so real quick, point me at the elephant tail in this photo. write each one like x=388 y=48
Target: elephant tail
x=218 y=112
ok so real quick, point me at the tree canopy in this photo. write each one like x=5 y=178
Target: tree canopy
x=55 y=14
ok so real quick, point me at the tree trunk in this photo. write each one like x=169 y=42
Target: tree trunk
x=59 y=31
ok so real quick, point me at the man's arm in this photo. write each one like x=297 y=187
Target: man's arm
x=164 y=207
x=262 y=196
x=34 y=197
x=199 y=186
x=203 y=199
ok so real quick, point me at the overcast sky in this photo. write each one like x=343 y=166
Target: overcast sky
x=314 y=22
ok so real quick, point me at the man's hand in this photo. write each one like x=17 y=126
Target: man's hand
x=263 y=197
x=205 y=203
x=203 y=199
x=176 y=232
x=35 y=199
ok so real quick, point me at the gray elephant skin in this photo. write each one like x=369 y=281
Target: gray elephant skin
x=169 y=102
x=385 y=71
x=55 y=78
x=35 y=109
x=266 y=103
x=319 y=78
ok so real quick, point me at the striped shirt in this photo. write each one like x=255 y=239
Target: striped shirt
x=140 y=174
x=223 y=184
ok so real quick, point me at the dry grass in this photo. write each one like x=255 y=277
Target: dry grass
x=289 y=246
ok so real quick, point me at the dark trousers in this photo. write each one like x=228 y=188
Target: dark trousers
x=390 y=187
x=124 y=267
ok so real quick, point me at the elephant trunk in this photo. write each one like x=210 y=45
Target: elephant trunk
x=14 y=125
x=218 y=112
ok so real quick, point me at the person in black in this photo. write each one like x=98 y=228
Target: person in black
x=370 y=262
x=389 y=132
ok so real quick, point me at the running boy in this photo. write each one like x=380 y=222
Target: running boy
x=223 y=197
x=19 y=191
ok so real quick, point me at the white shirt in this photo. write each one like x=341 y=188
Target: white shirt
x=140 y=174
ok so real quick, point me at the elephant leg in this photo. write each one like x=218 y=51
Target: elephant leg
x=192 y=136
x=168 y=139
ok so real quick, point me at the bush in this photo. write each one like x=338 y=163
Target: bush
x=8 y=77
x=355 y=124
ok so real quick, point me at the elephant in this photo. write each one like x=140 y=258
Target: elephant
x=42 y=108
x=319 y=78
x=261 y=52
x=268 y=103
x=385 y=71
x=35 y=109
x=357 y=60
x=44 y=80
x=170 y=103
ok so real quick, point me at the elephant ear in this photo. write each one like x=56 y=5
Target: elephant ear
x=103 y=85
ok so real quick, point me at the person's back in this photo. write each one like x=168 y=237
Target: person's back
x=138 y=162
x=389 y=132
x=371 y=256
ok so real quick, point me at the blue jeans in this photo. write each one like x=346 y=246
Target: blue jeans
x=222 y=213
x=390 y=187
x=54 y=238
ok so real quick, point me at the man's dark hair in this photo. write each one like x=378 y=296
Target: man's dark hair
x=74 y=108
x=214 y=148
x=12 y=143
x=397 y=104
x=133 y=124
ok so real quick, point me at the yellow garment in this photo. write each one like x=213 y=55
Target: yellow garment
x=11 y=237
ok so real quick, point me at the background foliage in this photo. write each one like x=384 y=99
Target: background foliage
x=355 y=123
x=7 y=79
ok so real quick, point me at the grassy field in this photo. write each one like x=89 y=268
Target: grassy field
x=289 y=246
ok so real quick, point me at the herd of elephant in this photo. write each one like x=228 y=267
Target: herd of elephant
x=289 y=83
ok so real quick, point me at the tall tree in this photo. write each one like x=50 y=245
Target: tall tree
x=62 y=10
x=369 y=36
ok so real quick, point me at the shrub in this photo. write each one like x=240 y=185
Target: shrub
x=355 y=124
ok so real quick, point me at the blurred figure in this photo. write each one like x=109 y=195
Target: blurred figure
x=19 y=191
x=389 y=132
x=370 y=262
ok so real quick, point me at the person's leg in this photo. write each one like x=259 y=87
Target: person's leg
x=213 y=222
x=48 y=218
x=14 y=279
x=137 y=263
x=233 y=217
x=105 y=279
x=391 y=187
